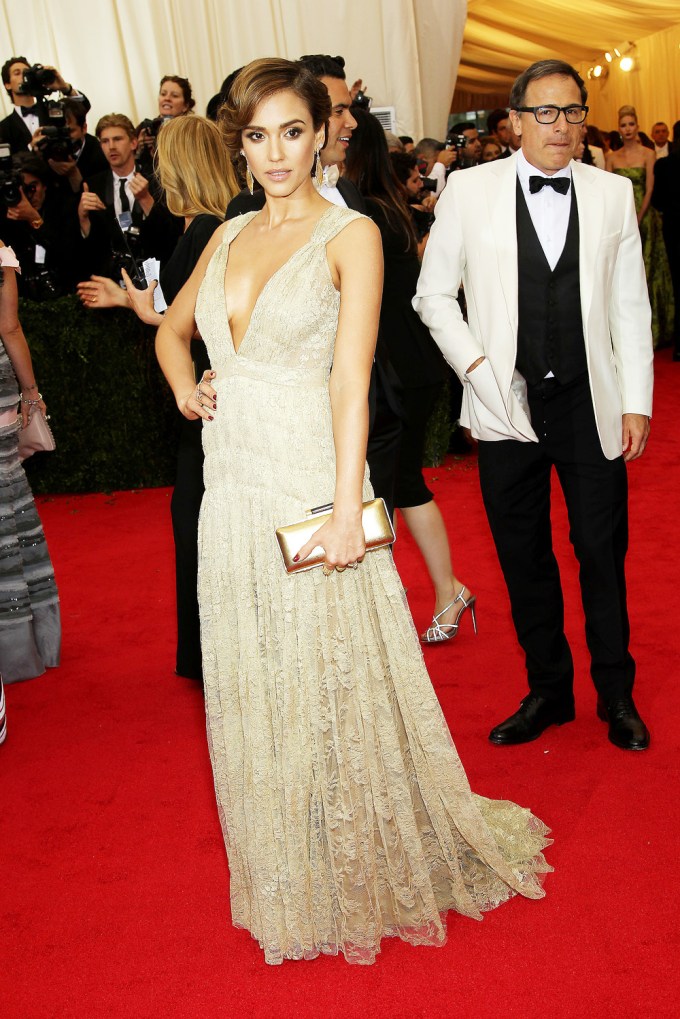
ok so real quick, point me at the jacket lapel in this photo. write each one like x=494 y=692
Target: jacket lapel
x=501 y=202
x=591 y=230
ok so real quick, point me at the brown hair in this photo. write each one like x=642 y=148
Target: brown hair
x=115 y=120
x=262 y=79
x=184 y=84
x=544 y=69
x=194 y=167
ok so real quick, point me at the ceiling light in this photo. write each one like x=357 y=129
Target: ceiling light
x=617 y=53
x=626 y=63
x=608 y=57
x=597 y=71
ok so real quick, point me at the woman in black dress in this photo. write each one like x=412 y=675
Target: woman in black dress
x=418 y=363
x=199 y=182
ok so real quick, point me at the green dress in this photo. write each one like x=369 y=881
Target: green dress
x=658 y=273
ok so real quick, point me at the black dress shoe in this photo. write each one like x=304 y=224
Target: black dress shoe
x=626 y=728
x=535 y=714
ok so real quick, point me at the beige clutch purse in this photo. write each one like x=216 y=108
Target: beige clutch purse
x=375 y=520
x=36 y=437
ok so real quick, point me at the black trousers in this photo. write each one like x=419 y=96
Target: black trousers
x=185 y=508
x=516 y=479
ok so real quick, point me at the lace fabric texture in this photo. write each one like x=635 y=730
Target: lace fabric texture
x=346 y=812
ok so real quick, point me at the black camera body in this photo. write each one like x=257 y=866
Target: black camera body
x=37 y=82
x=428 y=184
x=10 y=179
x=362 y=100
x=40 y=284
x=457 y=141
x=126 y=254
x=56 y=141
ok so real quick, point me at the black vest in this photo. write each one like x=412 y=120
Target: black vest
x=550 y=328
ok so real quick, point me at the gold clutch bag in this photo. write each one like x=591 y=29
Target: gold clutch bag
x=375 y=520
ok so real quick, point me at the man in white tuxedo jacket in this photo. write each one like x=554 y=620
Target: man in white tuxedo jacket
x=556 y=364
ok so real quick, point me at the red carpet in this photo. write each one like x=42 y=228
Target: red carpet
x=114 y=901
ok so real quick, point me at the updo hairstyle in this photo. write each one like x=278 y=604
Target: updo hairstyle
x=259 y=81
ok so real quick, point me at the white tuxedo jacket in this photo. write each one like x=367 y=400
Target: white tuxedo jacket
x=474 y=241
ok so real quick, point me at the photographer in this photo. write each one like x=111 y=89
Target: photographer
x=465 y=138
x=433 y=161
x=175 y=99
x=27 y=87
x=421 y=202
x=42 y=229
x=77 y=158
x=119 y=212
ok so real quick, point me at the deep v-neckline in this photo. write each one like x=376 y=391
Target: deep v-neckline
x=236 y=350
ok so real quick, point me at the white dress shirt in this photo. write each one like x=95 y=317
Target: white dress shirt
x=549 y=210
x=661 y=151
x=116 y=193
x=31 y=121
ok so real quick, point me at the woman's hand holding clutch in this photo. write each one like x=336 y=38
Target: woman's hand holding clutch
x=342 y=541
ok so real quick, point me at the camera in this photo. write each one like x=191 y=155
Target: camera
x=10 y=179
x=428 y=184
x=362 y=100
x=456 y=141
x=40 y=285
x=126 y=254
x=56 y=141
x=37 y=81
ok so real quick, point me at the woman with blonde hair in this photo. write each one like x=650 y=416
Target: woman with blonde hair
x=346 y=812
x=635 y=161
x=199 y=182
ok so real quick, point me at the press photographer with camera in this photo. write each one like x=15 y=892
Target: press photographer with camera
x=77 y=158
x=27 y=87
x=41 y=225
x=122 y=218
x=175 y=99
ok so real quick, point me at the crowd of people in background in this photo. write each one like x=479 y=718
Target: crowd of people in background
x=77 y=205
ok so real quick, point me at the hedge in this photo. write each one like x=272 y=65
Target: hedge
x=112 y=413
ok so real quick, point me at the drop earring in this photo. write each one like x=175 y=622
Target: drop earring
x=250 y=180
x=318 y=176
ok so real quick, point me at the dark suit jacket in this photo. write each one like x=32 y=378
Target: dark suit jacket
x=666 y=194
x=91 y=159
x=158 y=232
x=13 y=129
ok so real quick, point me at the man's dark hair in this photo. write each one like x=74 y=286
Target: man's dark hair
x=323 y=66
x=544 y=69
x=76 y=109
x=660 y=123
x=676 y=136
x=8 y=63
x=403 y=164
x=494 y=119
x=405 y=139
x=31 y=162
x=463 y=125
x=213 y=107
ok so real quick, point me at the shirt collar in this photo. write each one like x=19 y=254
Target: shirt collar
x=525 y=170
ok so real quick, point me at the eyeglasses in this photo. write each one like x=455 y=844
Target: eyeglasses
x=30 y=189
x=549 y=114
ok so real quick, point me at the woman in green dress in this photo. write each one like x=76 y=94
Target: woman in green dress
x=635 y=161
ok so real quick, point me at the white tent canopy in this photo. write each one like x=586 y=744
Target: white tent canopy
x=116 y=51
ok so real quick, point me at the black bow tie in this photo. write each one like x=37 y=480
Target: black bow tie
x=27 y=111
x=560 y=184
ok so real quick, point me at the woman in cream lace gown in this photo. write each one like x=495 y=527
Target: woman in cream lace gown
x=346 y=812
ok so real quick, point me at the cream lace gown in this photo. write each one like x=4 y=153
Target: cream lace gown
x=346 y=812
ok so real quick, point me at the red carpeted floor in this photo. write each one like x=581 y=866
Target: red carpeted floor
x=114 y=884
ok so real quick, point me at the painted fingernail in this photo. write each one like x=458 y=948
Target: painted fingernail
x=214 y=406
x=210 y=417
x=296 y=558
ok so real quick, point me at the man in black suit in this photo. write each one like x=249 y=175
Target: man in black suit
x=384 y=406
x=119 y=201
x=29 y=114
x=666 y=198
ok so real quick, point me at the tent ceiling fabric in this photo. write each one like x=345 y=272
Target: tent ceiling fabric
x=502 y=38
x=117 y=50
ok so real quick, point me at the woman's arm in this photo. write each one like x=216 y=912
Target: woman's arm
x=355 y=260
x=173 y=342
x=15 y=344
x=650 y=159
